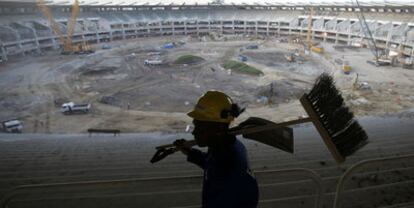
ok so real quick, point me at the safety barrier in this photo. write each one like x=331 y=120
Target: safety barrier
x=56 y=187
x=358 y=167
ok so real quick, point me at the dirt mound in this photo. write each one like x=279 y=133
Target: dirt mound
x=98 y=71
x=104 y=67
x=189 y=59
x=111 y=100
x=280 y=91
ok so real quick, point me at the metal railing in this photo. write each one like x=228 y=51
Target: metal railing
x=305 y=172
x=111 y=184
x=358 y=167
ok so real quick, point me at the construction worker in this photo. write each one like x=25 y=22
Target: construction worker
x=228 y=180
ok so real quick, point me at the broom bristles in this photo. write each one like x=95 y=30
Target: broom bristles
x=346 y=133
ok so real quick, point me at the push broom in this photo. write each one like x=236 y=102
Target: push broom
x=341 y=133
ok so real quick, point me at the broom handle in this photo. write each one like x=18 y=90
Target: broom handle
x=249 y=130
x=187 y=143
x=267 y=127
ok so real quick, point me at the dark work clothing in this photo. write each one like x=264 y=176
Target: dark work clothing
x=228 y=182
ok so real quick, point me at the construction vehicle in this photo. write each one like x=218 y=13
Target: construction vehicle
x=346 y=68
x=290 y=57
x=314 y=47
x=242 y=58
x=12 y=126
x=67 y=43
x=368 y=35
x=408 y=63
x=82 y=48
x=253 y=46
x=72 y=108
x=151 y=62
x=106 y=46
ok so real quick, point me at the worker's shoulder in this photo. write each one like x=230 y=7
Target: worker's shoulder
x=238 y=144
x=239 y=147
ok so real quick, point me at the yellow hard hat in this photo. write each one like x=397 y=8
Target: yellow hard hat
x=213 y=106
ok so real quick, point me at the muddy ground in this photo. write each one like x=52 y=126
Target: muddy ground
x=128 y=95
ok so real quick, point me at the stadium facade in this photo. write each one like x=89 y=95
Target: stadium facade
x=24 y=30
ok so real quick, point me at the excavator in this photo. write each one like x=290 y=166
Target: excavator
x=67 y=43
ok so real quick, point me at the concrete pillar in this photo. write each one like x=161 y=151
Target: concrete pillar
x=278 y=28
x=111 y=35
x=256 y=28
x=98 y=38
x=19 y=41
x=36 y=39
x=173 y=28
x=245 y=27
x=221 y=27
x=336 y=38
x=3 y=52
x=267 y=28
x=313 y=35
x=83 y=38
x=389 y=37
x=185 y=28
x=233 y=27
x=161 y=27
x=123 y=32
x=198 y=28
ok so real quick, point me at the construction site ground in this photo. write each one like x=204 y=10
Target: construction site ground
x=126 y=94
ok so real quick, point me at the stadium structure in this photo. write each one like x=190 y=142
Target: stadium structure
x=24 y=30
x=137 y=67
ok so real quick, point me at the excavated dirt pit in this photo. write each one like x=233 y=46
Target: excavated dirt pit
x=276 y=60
x=128 y=95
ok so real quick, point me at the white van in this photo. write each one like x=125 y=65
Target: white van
x=13 y=126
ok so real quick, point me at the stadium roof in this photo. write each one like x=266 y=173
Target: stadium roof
x=368 y=3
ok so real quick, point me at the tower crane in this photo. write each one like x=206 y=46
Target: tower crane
x=71 y=27
x=310 y=45
x=67 y=43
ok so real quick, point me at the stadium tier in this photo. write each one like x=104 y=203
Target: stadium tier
x=23 y=28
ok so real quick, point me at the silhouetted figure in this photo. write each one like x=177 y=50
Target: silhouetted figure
x=228 y=181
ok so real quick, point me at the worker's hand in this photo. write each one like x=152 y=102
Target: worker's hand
x=182 y=145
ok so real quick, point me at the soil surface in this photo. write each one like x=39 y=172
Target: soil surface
x=128 y=95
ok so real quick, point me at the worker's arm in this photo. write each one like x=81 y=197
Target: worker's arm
x=197 y=157
x=193 y=155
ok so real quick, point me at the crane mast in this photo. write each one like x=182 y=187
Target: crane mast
x=71 y=26
x=68 y=47
x=308 y=35
x=48 y=14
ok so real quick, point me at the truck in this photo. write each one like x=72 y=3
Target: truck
x=72 y=108
x=12 y=126
x=106 y=46
x=253 y=46
x=242 y=58
x=151 y=62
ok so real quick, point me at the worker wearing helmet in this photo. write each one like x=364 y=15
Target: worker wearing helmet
x=228 y=182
